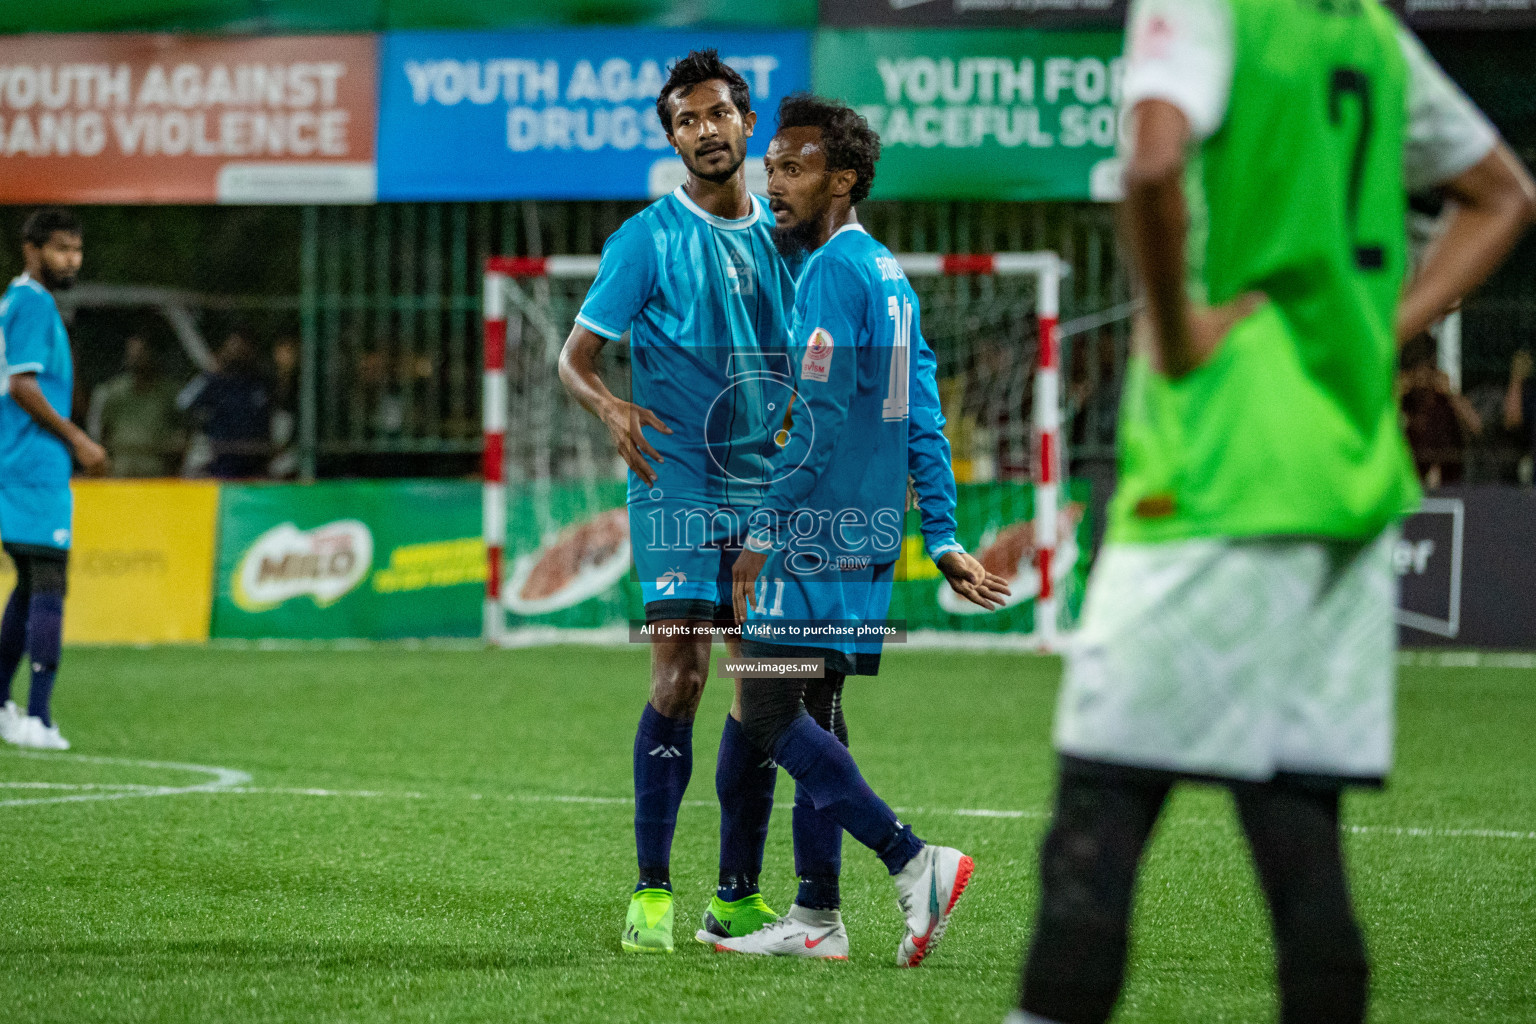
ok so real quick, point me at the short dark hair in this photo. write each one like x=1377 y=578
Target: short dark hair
x=41 y=224
x=850 y=143
x=698 y=67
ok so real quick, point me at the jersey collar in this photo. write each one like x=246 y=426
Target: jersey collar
x=739 y=224
x=855 y=226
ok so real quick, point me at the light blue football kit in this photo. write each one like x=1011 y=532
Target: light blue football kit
x=834 y=513
x=706 y=302
x=35 y=501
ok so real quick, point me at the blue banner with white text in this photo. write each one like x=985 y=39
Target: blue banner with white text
x=555 y=115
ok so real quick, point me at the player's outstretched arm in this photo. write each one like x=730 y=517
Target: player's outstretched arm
x=933 y=477
x=91 y=456
x=578 y=372
x=928 y=456
x=1494 y=203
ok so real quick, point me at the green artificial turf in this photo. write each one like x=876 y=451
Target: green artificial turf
x=474 y=856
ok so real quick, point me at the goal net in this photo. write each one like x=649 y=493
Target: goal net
x=556 y=529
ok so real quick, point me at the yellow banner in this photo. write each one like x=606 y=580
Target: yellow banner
x=141 y=568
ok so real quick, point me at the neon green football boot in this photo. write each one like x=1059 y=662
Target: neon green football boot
x=648 y=926
x=734 y=919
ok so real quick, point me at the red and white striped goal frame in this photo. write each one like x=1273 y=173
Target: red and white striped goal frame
x=1046 y=267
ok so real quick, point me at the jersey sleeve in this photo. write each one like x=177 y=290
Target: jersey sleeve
x=28 y=332
x=831 y=308
x=928 y=459
x=626 y=275
x=1446 y=133
x=1181 y=52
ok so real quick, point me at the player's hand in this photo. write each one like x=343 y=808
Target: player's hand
x=749 y=564
x=624 y=420
x=91 y=456
x=971 y=581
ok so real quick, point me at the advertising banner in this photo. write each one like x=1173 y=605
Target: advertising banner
x=555 y=115
x=141 y=569
x=570 y=562
x=1463 y=14
x=374 y=559
x=973 y=13
x=983 y=114
x=185 y=119
x=1466 y=568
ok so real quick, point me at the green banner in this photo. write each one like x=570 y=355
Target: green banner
x=568 y=557
x=976 y=114
x=995 y=522
x=373 y=559
x=569 y=564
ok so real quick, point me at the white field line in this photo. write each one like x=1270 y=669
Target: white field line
x=221 y=779
x=1406 y=831
x=231 y=780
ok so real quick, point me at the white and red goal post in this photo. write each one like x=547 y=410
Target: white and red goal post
x=1046 y=268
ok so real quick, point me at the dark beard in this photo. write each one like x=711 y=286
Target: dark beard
x=719 y=178
x=55 y=284
x=796 y=240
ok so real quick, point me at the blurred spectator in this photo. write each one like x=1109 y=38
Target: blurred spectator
x=134 y=416
x=383 y=394
x=1437 y=420
x=232 y=407
x=1520 y=411
x=285 y=408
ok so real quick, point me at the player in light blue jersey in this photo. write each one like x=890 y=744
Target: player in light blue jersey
x=819 y=561
x=36 y=441
x=697 y=283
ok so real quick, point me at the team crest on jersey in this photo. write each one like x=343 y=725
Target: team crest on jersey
x=817 y=364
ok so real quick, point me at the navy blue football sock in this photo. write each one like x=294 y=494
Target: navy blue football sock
x=818 y=854
x=45 y=632
x=663 y=764
x=817 y=761
x=13 y=638
x=744 y=780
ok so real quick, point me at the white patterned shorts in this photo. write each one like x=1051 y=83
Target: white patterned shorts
x=1236 y=659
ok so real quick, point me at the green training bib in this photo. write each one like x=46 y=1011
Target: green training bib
x=1292 y=427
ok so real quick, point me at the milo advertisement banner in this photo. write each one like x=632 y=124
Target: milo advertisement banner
x=376 y=559
x=979 y=114
x=570 y=563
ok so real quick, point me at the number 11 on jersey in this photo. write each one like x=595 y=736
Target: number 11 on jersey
x=895 y=405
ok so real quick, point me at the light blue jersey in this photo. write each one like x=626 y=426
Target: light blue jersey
x=706 y=302
x=867 y=383
x=867 y=416
x=35 y=501
x=35 y=342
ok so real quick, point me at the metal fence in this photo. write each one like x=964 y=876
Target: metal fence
x=390 y=308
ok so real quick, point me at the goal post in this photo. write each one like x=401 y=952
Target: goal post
x=1006 y=300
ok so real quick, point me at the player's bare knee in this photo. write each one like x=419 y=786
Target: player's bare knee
x=676 y=690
